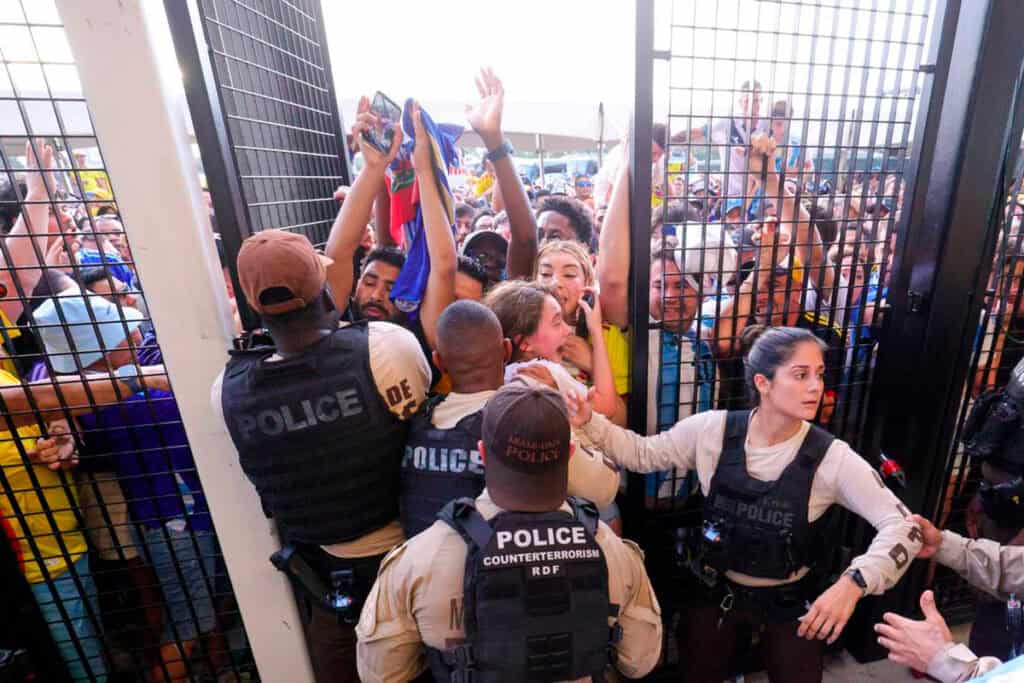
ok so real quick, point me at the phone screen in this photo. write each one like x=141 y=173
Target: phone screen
x=388 y=116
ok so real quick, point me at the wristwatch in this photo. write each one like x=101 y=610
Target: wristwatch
x=499 y=153
x=858 y=579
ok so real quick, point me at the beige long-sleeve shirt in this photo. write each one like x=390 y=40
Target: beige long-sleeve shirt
x=843 y=477
x=417 y=603
x=994 y=568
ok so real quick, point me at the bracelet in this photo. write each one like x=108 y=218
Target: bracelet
x=500 y=153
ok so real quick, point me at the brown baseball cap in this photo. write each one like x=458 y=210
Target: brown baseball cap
x=526 y=426
x=283 y=261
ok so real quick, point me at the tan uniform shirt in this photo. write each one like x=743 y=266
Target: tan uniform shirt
x=417 y=602
x=402 y=376
x=591 y=475
x=843 y=477
x=997 y=569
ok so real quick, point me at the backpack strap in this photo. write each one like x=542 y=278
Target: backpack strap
x=585 y=512
x=461 y=514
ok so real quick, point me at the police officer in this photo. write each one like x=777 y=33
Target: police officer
x=319 y=423
x=519 y=584
x=442 y=461
x=769 y=478
x=927 y=645
x=994 y=440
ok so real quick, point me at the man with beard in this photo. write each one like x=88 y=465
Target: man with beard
x=371 y=299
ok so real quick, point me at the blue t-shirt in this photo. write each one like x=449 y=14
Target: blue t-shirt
x=668 y=398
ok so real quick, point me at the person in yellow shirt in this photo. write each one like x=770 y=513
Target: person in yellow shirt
x=39 y=507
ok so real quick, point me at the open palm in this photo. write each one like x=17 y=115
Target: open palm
x=485 y=117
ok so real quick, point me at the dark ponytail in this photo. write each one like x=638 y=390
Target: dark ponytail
x=767 y=348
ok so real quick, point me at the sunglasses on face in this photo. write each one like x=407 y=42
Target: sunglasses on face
x=585 y=183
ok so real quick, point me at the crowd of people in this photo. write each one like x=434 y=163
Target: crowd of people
x=438 y=428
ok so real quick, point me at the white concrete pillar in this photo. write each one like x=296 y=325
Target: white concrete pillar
x=128 y=71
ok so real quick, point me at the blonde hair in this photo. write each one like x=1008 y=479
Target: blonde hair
x=572 y=249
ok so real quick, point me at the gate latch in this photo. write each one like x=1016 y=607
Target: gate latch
x=915 y=301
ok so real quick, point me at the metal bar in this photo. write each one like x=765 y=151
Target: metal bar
x=212 y=135
x=640 y=227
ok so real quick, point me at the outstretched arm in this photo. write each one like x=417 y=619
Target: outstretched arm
x=26 y=404
x=614 y=253
x=350 y=225
x=440 y=242
x=485 y=118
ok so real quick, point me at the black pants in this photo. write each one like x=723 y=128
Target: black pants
x=331 y=643
x=706 y=650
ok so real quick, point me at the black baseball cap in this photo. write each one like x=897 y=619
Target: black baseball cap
x=526 y=427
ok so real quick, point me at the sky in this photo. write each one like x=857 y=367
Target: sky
x=560 y=58
x=582 y=51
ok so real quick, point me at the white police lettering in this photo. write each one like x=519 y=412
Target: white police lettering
x=539 y=538
x=432 y=459
x=541 y=548
x=308 y=413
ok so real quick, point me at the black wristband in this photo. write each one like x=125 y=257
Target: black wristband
x=500 y=153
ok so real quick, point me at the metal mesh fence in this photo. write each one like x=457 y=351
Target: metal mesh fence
x=100 y=500
x=273 y=79
x=779 y=195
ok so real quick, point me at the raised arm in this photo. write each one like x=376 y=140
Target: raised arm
x=485 y=118
x=26 y=244
x=614 y=252
x=350 y=225
x=735 y=313
x=606 y=399
x=438 y=228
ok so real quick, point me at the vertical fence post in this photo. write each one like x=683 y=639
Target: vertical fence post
x=640 y=234
x=125 y=60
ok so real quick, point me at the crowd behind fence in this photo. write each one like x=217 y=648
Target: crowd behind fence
x=778 y=198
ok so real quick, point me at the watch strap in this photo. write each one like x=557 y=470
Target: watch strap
x=500 y=152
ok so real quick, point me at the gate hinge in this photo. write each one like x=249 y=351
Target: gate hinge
x=915 y=301
x=926 y=68
x=661 y=54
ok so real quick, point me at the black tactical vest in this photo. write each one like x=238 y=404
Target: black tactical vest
x=535 y=598
x=760 y=528
x=439 y=466
x=315 y=438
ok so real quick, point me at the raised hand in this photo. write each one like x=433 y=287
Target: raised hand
x=762 y=149
x=34 y=180
x=485 y=116
x=421 y=153
x=366 y=122
x=914 y=643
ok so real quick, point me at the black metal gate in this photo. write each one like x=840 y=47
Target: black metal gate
x=258 y=81
x=877 y=113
